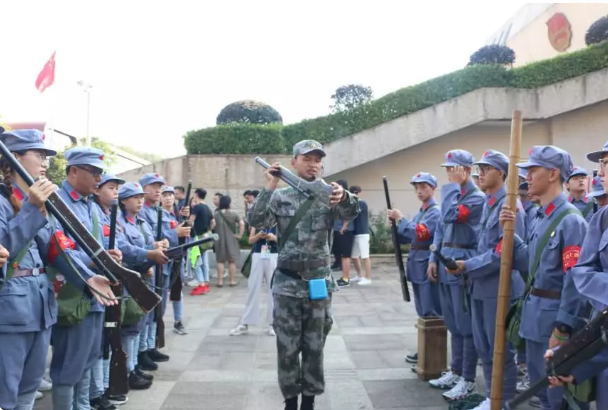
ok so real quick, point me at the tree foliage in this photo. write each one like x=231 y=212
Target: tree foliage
x=493 y=54
x=350 y=96
x=597 y=32
x=250 y=112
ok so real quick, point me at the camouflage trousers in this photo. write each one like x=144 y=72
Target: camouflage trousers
x=302 y=326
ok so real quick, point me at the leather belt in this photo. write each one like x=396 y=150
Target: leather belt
x=301 y=266
x=457 y=246
x=19 y=273
x=547 y=294
x=420 y=247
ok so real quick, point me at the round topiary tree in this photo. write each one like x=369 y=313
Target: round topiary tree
x=597 y=32
x=494 y=54
x=248 y=111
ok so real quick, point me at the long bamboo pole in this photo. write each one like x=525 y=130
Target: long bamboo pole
x=506 y=263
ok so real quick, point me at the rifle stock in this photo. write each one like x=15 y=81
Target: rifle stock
x=119 y=379
x=308 y=188
x=131 y=280
x=398 y=254
x=159 y=279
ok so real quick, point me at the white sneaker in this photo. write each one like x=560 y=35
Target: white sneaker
x=356 y=279
x=38 y=395
x=45 y=386
x=523 y=383
x=484 y=405
x=446 y=381
x=271 y=332
x=193 y=283
x=462 y=390
x=239 y=330
x=365 y=281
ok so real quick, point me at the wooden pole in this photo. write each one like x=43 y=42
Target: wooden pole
x=506 y=263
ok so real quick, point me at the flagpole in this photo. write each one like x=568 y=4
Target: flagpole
x=87 y=89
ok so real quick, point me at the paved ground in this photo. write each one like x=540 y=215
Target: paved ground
x=364 y=363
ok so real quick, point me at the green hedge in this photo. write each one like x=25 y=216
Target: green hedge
x=236 y=139
x=247 y=139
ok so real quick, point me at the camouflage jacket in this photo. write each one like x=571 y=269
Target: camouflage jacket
x=310 y=238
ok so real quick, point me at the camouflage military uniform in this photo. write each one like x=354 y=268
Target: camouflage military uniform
x=301 y=324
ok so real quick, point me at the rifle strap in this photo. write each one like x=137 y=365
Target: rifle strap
x=587 y=209
x=294 y=221
x=540 y=247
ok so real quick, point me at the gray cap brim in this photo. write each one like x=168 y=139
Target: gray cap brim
x=596 y=155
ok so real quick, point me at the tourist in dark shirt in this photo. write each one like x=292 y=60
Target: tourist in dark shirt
x=361 y=243
x=202 y=222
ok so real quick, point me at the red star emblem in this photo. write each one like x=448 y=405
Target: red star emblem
x=156 y=175
x=136 y=185
x=449 y=155
x=418 y=176
x=531 y=151
x=485 y=154
x=101 y=157
x=43 y=137
x=594 y=182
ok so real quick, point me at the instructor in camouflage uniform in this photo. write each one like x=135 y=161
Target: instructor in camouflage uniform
x=302 y=318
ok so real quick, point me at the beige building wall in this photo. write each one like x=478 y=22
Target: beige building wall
x=578 y=132
x=532 y=42
x=227 y=174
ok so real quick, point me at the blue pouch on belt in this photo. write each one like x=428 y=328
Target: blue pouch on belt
x=317 y=289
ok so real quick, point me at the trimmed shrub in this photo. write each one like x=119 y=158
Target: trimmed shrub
x=397 y=104
x=597 y=32
x=236 y=139
x=247 y=111
x=494 y=54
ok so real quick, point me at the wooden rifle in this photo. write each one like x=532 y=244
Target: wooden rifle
x=159 y=279
x=176 y=269
x=131 y=280
x=119 y=378
x=398 y=254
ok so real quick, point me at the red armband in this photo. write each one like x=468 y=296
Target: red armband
x=422 y=232
x=64 y=243
x=106 y=230
x=463 y=214
x=173 y=224
x=498 y=248
x=570 y=256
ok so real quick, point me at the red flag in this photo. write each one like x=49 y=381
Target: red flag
x=47 y=75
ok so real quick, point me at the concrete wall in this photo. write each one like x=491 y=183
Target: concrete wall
x=578 y=132
x=228 y=174
x=532 y=43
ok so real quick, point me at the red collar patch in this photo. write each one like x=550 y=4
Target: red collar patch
x=492 y=201
x=129 y=219
x=18 y=194
x=549 y=209
x=74 y=195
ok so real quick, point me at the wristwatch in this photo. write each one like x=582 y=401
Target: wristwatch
x=563 y=328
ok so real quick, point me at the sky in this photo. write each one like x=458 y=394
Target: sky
x=159 y=69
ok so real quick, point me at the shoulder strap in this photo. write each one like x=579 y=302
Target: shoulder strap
x=294 y=221
x=467 y=194
x=587 y=209
x=95 y=224
x=542 y=244
x=424 y=211
x=490 y=212
x=225 y=220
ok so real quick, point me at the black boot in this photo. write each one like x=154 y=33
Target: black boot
x=145 y=363
x=143 y=375
x=308 y=403
x=157 y=356
x=138 y=383
x=292 y=403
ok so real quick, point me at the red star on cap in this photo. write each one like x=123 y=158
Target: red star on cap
x=575 y=168
x=594 y=182
x=43 y=137
x=101 y=157
x=449 y=155
x=156 y=175
x=485 y=154
x=136 y=185
x=418 y=176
